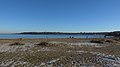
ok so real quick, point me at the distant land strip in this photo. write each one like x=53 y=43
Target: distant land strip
x=65 y=33
x=114 y=33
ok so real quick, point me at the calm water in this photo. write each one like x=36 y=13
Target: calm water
x=4 y=36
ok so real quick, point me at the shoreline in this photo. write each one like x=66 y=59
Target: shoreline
x=59 y=39
x=54 y=39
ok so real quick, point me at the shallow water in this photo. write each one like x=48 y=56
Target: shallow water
x=3 y=36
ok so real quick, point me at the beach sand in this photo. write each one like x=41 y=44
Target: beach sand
x=60 y=52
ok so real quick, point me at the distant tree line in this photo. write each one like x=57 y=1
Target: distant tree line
x=115 y=33
x=65 y=33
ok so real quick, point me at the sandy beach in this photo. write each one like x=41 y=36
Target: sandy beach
x=59 y=33
x=60 y=52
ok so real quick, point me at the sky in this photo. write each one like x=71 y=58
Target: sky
x=59 y=15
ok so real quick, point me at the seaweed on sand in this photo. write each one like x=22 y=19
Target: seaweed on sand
x=16 y=43
x=42 y=44
x=95 y=41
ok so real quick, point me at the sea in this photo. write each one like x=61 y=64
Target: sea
x=12 y=36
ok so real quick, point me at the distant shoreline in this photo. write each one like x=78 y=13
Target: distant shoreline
x=114 y=34
x=66 y=33
x=105 y=34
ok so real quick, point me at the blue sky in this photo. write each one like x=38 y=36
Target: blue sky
x=59 y=15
